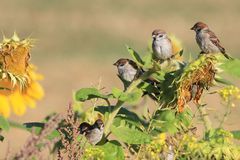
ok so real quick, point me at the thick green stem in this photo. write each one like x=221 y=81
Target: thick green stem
x=204 y=116
x=117 y=107
x=111 y=117
x=119 y=104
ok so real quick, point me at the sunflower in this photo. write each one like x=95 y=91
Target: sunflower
x=197 y=76
x=19 y=85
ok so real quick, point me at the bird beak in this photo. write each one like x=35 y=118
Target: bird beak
x=192 y=28
x=115 y=64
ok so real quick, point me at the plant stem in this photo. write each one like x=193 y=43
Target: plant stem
x=111 y=117
x=117 y=107
x=204 y=116
x=228 y=111
x=119 y=103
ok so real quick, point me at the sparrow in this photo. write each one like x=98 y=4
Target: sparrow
x=129 y=71
x=93 y=133
x=161 y=45
x=207 y=40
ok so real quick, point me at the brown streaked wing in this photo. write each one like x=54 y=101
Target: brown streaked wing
x=135 y=66
x=215 y=41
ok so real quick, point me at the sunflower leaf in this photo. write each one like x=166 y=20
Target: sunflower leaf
x=136 y=57
x=129 y=133
x=232 y=67
x=89 y=93
x=112 y=150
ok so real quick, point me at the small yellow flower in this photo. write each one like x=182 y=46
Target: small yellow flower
x=93 y=153
x=18 y=78
x=229 y=93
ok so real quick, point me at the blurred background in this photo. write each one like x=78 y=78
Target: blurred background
x=78 y=41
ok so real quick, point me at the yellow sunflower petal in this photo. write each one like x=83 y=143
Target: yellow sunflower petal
x=4 y=106
x=17 y=102
x=177 y=46
x=35 y=90
x=33 y=74
x=29 y=101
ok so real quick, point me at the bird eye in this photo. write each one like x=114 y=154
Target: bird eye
x=198 y=29
x=121 y=64
x=160 y=35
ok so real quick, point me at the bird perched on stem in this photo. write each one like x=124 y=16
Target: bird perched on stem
x=207 y=40
x=93 y=133
x=129 y=71
x=161 y=45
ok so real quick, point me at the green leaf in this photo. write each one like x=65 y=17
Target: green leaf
x=104 y=109
x=130 y=115
x=185 y=117
x=112 y=150
x=147 y=61
x=167 y=115
x=129 y=133
x=4 y=125
x=136 y=57
x=117 y=92
x=165 y=121
x=129 y=121
x=236 y=134
x=1 y=138
x=232 y=67
x=89 y=93
x=181 y=53
x=132 y=97
x=169 y=127
x=148 y=87
x=38 y=126
x=34 y=124
x=159 y=75
x=222 y=80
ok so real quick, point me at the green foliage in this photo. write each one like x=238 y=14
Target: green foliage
x=4 y=124
x=113 y=150
x=38 y=127
x=170 y=121
x=236 y=134
x=132 y=97
x=129 y=133
x=232 y=67
x=148 y=135
x=136 y=57
x=89 y=93
x=216 y=145
x=1 y=138
x=110 y=150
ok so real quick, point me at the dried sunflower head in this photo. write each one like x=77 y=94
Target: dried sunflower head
x=196 y=77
